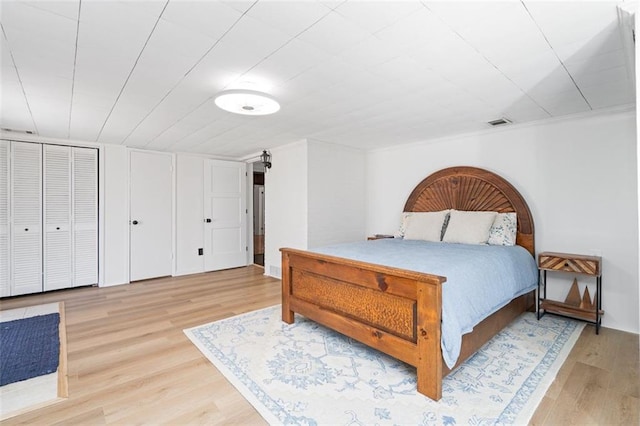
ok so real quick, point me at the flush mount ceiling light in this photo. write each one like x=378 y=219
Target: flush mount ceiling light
x=247 y=102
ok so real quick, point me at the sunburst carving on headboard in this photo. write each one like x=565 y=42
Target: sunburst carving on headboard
x=473 y=189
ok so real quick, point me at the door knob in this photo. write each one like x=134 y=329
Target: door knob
x=208 y=220
x=135 y=222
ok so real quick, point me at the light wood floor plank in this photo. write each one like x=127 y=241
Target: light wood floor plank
x=129 y=361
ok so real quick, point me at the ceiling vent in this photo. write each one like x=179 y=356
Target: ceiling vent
x=500 y=122
x=24 y=132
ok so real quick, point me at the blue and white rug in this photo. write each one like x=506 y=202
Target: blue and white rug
x=307 y=374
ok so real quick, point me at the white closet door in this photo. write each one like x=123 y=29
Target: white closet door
x=150 y=203
x=85 y=216
x=26 y=206
x=57 y=217
x=5 y=289
x=225 y=215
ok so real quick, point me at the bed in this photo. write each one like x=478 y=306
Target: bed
x=399 y=311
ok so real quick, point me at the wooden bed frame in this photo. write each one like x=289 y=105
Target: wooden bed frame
x=398 y=311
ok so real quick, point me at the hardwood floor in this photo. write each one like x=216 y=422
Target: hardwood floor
x=129 y=361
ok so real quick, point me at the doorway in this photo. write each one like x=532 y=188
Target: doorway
x=258 y=214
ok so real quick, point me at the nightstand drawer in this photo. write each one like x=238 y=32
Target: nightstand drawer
x=589 y=265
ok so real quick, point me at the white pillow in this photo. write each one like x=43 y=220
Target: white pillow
x=425 y=226
x=504 y=230
x=404 y=220
x=469 y=227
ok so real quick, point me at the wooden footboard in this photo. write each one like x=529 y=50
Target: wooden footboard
x=392 y=310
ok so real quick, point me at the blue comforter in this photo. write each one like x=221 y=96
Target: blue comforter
x=480 y=278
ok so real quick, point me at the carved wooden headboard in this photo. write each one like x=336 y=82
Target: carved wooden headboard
x=473 y=189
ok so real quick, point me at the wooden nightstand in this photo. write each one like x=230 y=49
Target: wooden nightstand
x=380 y=237
x=575 y=305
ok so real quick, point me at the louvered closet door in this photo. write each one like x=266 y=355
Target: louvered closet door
x=26 y=207
x=85 y=216
x=57 y=217
x=5 y=289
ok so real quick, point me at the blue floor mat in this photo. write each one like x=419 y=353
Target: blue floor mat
x=29 y=347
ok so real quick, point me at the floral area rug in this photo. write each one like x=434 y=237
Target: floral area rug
x=307 y=374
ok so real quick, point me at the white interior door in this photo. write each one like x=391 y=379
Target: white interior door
x=5 y=289
x=85 y=216
x=225 y=215
x=26 y=206
x=150 y=215
x=58 y=269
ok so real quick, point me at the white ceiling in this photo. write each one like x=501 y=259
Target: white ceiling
x=367 y=74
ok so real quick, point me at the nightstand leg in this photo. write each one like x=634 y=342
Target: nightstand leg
x=538 y=298
x=598 y=302
x=542 y=282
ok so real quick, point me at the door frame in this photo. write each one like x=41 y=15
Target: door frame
x=249 y=204
x=173 y=207
x=250 y=208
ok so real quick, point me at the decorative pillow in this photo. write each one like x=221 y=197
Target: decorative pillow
x=444 y=225
x=404 y=220
x=469 y=227
x=425 y=226
x=504 y=230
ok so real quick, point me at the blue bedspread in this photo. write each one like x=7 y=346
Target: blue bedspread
x=480 y=278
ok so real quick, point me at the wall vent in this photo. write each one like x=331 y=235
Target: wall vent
x=500 y=122
x=24 y=132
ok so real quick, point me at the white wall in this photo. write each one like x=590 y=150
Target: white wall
x=314 y=195
x=114 y=209
x=285 y=215
x=578 y=175
x=336 y=194
x=116 y=215
x=189 y=214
